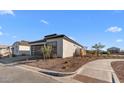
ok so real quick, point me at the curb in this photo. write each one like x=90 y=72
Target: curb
x=115 y=76
x=48 y=72
x=51 y=74
x=67 y=79
x=36 y=70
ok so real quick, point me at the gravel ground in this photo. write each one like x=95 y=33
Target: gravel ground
x=86 y=79
x=62 y=65
x=118 y=67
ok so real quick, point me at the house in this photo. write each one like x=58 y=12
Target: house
x=114 y=50
x=5 y=51
x=21 y=48
x=62 y=46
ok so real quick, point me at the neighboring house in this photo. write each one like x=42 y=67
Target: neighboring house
x=5 y=51
x=114 y=50
x=62 y=46
x=21 y=48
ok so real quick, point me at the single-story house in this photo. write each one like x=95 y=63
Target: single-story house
x=114 y=50
x=62 y=45
x=21 y=48
x=5 y=51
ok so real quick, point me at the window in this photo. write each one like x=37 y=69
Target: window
x=36 y=50
x=54 y=47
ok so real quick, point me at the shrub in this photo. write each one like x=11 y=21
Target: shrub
x=46 y=51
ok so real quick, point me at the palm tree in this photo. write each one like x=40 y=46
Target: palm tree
x=98 y=47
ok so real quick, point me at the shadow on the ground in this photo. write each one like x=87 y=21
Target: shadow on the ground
x=14 y=59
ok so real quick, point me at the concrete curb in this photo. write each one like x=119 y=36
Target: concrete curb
x=61 y=75
x=48 y=72
x=115 y=76
x=56 y=73
x=36 y=70
x=65 y=79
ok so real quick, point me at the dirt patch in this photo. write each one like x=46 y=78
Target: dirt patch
x=118 y=67
x=62 y=65
x=87 y=79
x=67 y=64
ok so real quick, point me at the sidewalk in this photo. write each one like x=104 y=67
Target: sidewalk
x=99 y=71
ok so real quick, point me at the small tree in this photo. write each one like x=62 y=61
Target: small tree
x=46 y=51
x=98 y=47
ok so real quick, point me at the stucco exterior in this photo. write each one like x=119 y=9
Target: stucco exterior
x=4 y=51
x=64 y=46
x=18 y=49
x=69 y=48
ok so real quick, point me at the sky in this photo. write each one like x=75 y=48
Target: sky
x=87 y=27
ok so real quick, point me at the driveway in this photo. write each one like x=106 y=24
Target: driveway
x=13 y=74
x=98 y=71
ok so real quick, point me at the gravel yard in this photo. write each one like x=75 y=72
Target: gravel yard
x=118 y=67
x=62 y=65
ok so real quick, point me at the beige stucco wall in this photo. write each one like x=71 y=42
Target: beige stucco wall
x=5 y=52
x=69 y=48
x=64 y=47
x=24 y=48
x=59 y=46
x=21 y=49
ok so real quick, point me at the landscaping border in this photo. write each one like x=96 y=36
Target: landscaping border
x=54 y=73
x=114 y=75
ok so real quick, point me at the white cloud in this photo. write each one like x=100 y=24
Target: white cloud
x=44 y=21
x=1 y=33
x=0 y=27
x=119 y=40
x=114 y=29
x=7 y=12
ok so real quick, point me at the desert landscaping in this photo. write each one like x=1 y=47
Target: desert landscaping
x=66 y=64
x=118 y=67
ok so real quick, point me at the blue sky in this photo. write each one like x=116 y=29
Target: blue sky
x=85 y=26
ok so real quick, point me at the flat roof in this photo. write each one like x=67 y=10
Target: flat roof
x=56 y=36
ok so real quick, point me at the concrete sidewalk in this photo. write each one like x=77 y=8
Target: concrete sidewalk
x=100 y=70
